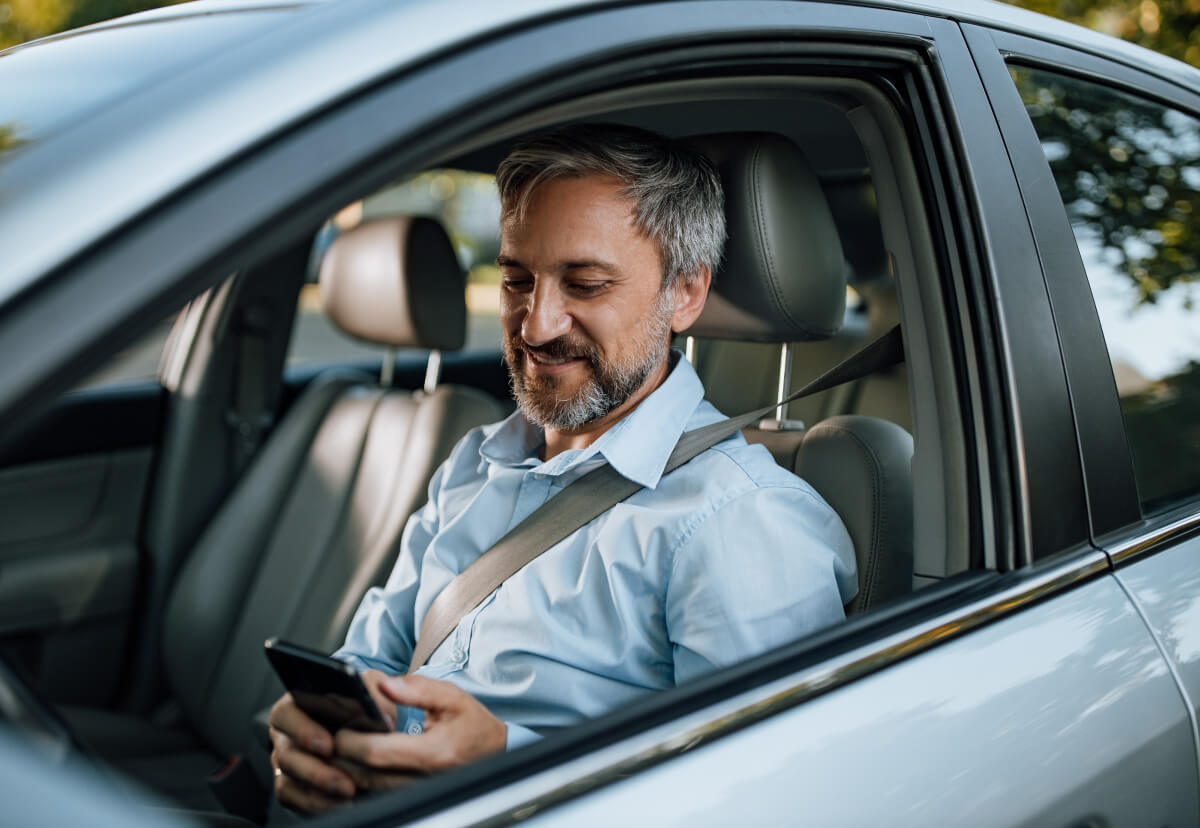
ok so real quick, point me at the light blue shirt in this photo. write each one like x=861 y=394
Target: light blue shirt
x=724 y=558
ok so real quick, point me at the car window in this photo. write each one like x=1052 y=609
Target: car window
x=1128 y=170
x=468 y=206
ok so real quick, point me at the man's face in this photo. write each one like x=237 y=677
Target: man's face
x=585 y=321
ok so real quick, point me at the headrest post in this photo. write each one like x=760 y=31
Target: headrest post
x=785 y=381
x=781 y=422
x=433 y=371
x=387 y=368
x=689 y=349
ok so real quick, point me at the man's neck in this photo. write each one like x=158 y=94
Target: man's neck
x=560 y=440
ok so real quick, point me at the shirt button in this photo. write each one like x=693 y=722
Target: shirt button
x=458 y=654
x=415 y=728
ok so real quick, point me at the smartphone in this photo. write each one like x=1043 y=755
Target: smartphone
x=330 y=691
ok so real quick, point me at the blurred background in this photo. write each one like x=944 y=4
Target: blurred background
x=1167 y=26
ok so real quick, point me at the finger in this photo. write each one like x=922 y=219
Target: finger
x=301 y=797
x=369 y=779
x=394 y=752
x=305 y=733
x=387 y=707
x=310 y=770
x=422 y=692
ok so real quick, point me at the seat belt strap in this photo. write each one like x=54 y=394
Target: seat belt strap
x=251 y=416
x=598 y=491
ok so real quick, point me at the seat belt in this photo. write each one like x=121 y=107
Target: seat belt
x=598 y=491
x=252 y=413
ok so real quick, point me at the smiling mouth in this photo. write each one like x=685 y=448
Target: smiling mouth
x=541 y=359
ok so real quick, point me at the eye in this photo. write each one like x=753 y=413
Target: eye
x=517 y=284
x=587 y=288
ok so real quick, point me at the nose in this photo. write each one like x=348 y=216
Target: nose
x=546 y=317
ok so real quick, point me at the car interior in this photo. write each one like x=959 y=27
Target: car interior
x=235 y=498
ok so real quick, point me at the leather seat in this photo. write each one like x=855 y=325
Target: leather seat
x=783 y=280
x=313 y=523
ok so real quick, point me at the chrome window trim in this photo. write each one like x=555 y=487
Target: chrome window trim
x=527 y=797
x=1148 y=542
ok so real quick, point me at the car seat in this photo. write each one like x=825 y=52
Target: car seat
x=783 y=280
x=315 y=520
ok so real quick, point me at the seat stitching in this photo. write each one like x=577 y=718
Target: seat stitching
x=763 y=248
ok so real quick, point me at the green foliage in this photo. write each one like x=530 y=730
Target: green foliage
x=22 y=20
x=9 y=141
x=1129 y=174
x=1168 y=26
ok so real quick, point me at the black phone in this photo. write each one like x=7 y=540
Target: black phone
x=330 y=691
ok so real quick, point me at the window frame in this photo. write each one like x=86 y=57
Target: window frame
x=1115 y=513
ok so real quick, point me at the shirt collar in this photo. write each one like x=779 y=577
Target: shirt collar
x=638 y=446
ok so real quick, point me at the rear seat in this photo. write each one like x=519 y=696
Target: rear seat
x=315 y=520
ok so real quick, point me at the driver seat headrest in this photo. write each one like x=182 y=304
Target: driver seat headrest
x=783 y=276
x=397 y=282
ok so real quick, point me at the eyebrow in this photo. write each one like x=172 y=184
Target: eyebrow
x=572 y=264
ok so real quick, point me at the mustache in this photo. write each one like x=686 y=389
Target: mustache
x=561 y=348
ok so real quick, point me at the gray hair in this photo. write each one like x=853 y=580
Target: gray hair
x=676 y=191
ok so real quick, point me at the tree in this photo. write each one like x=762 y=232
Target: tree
x=9 y=141
x=22 y=20
x=1128 y=171
x=1168 y=26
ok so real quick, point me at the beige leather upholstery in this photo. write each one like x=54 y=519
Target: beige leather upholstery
x=784 y=279
x=313 y=523
x=396 y=281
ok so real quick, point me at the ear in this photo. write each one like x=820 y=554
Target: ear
x=690 y=296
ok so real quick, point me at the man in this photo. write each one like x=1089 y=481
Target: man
x=610 y=236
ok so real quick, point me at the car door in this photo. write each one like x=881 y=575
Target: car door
x=72 y=493
x=1120 y=149
x=1038 y=696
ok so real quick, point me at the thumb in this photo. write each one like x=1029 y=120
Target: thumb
x=419 y=691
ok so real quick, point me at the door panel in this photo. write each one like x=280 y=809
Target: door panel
x=1166 y=587
x=1064 y=714
x=69 y=567
x=73 y=488
x=66 y=539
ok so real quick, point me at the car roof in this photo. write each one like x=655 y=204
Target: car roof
x=138 y=142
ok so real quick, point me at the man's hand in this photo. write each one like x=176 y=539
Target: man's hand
x=306 y=776
x=458 y=729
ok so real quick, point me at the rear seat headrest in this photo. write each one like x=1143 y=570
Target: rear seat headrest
x=396 y=281
x=783 y=277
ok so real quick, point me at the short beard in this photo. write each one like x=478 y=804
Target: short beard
x=610 y=385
